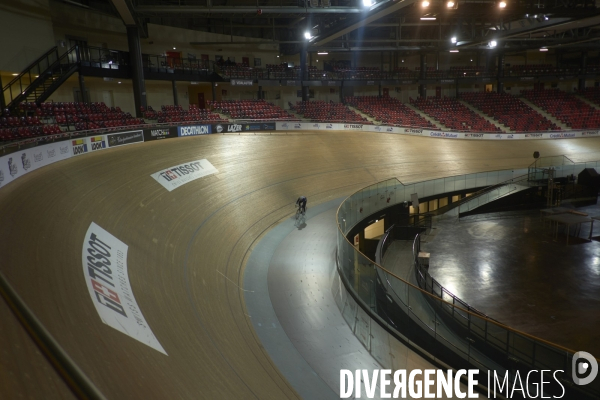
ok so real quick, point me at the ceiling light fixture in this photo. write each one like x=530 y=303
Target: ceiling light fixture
x=493 y=43
x=367 y=3
x=425 y=3
x=502 y=4
x=453 y=51
x=453 y=39
x=450 y=4
x=428 y=18
x=307 y=35
x=543 y=49
x=322 y=53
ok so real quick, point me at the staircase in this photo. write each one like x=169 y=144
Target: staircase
x=435 y=122
x=550 y=117
x=483 y=115
x=362 y=114
x=589 y=102
x=42 y=77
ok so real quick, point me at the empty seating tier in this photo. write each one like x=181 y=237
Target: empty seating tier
x=453 y=114
x=510 y=111
x=176 y=114
x=250 y=109
x=322 y=111
x=572 y=111
x=389 y=111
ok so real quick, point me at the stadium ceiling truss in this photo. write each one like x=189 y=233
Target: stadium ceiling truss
x=384 y=26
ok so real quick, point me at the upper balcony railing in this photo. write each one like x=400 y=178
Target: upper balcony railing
x=431 y=318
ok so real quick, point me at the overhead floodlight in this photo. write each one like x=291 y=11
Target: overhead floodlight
x=428 y=18
x=322 y=53
x=453 y=51
x=367 y=3
x=502 y=4
x=450 y=4
x=493 y=43
x=425 y=3
x=307 y=35
x=453 y=40
x=543 y=49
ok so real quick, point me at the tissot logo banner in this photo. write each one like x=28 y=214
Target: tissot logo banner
x=174 y=177
x=225 y=128
x=97 y=143
x=123 y=138
x=159 y=133
x=353 y=127
x=79 y=146
x=193 y=130
x=104 y=259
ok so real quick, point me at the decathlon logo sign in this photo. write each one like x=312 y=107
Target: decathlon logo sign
x=104 y=259
x=193 y=130
x=174 y=177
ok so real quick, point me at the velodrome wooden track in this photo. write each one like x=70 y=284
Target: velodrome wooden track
x=187 y=249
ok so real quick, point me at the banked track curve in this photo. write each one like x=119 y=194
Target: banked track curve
x=188 y=247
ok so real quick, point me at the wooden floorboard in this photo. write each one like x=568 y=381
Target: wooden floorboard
x=187 y=247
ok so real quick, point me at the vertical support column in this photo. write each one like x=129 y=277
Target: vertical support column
x=500 y=87
x=423 y=76
x=137 y=71
x=214 y=91
x=304 y=71
x=2 y=101
x=175 y=100
x=342 y=92
x=82 y=88
x=456 y=85
x=583 y=66
x=380 y=90
x=259 y=96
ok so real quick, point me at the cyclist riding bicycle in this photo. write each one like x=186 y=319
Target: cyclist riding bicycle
x=301 y=202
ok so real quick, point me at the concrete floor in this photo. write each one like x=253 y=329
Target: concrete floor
x=510 y=267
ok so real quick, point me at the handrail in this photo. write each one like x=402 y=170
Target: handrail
x=29 y=67
x=383 y=269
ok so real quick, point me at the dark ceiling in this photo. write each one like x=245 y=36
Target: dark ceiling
x=347 y=25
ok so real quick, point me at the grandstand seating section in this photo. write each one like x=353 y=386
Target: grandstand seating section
x=322 y=111
x=569 y=109
x=250 y=109
x=389 y=111
x=170 y=114
x=509 y=110
x=592 y=94
x=454 y=115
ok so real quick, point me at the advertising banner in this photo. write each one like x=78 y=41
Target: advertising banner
x=104 y=260
x=97 y=143
x=259 y=126
x=159 y=133
x=79 y=146
x=174 y=177
x=123 y=138
x=194 y=130
x=227 y=128
x=15 y=165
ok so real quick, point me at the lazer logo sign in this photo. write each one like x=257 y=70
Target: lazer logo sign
x=194 y=130
x=79 y=147
x=97 y=143
x=228 y=128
